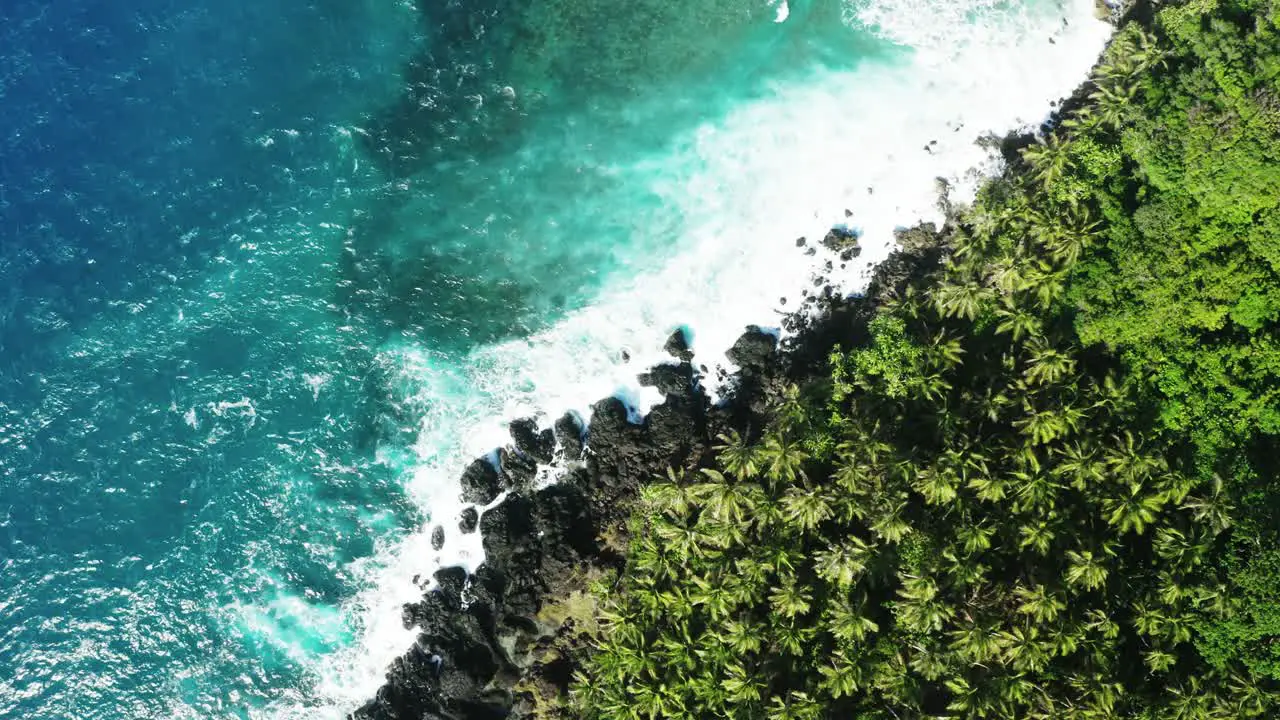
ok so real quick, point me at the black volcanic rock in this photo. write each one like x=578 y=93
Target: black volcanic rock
x=678 y=346
x=670 y=379
x=466 y=659
x=518 y=471
x=537 y=445
x=431 y=609
x=563 y=521
x=840 y=239
x=608 y=423
x=568 y=432
x=437 y=537
x=480 y=483
x=468 y=521
x=450 y=582
x=410 y=692
x=753 y=349
x=508 y=531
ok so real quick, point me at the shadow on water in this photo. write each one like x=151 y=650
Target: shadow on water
x=523 y=153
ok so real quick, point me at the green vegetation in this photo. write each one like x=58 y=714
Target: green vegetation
x=1042 y=487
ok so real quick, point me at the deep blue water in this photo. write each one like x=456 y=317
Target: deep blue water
x=161 y=161
x=259 y=260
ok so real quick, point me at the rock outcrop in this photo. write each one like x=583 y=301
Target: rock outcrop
x=487 y=643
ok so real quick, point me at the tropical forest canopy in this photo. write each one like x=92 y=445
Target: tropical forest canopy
x=1040 y=483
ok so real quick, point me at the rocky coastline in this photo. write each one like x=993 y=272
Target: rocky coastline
x=503 y=642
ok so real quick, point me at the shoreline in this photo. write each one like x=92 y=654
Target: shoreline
x=503 y=641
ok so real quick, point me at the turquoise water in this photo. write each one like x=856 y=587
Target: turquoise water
x=269 y=272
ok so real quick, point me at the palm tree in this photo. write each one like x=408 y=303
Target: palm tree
x=944 y=352
x=991 y=488
x=1050 y=157
x=797 y=706
x=1036 y=491
x=975 y=536
x=1180 y=550
x=1039 y=603
x=789 y=409
x=742 y=686
x=1189 y=701
x=1046 y=285
x=737 y=456
x=790 y=599
x=919 y=608
x=1132 y=510
x=783 y=459
x=1044 y=426
x=891 y=525
x=1247 y=697
x=1099 y=621
x=962 y=572
x=1080 y=463
x=1147 y=619
x=1178 y=625
x=1158 y=660
x=1006 y=276
x=668 y=498
x=1128 y=460
x=1085 y=570
x=937 y=485
x=1047 y=365
x=742 y=637
x=961 y=301
x=731 y=502
x=1023 y=649
x=842 y=676
x=966 y=699
x=805 y=509
x=1101 y=694
x=1114 y=101
x=1212 y=508
x=977 y=643
x=1017 y=322
x=1068 y=240
x=791 y=638
x=992 y=403
x=929 y=661
x=1037 y=535
x=847 y=621
x=842 y=565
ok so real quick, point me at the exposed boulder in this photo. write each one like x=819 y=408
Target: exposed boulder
x=753 y=349
x=518 y=470
x=839 y=239
x=678 y=346
x=670 y=379
x=609 y=427
x=568 y=432
x=480 y=483
x=468 y=521
x=538 y=445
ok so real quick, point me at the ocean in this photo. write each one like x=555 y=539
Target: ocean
x=271 y=274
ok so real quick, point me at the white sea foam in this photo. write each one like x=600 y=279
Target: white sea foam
x=783 y=166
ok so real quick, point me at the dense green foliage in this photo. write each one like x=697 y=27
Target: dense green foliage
x=1183 y=167
x=1035 y=491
